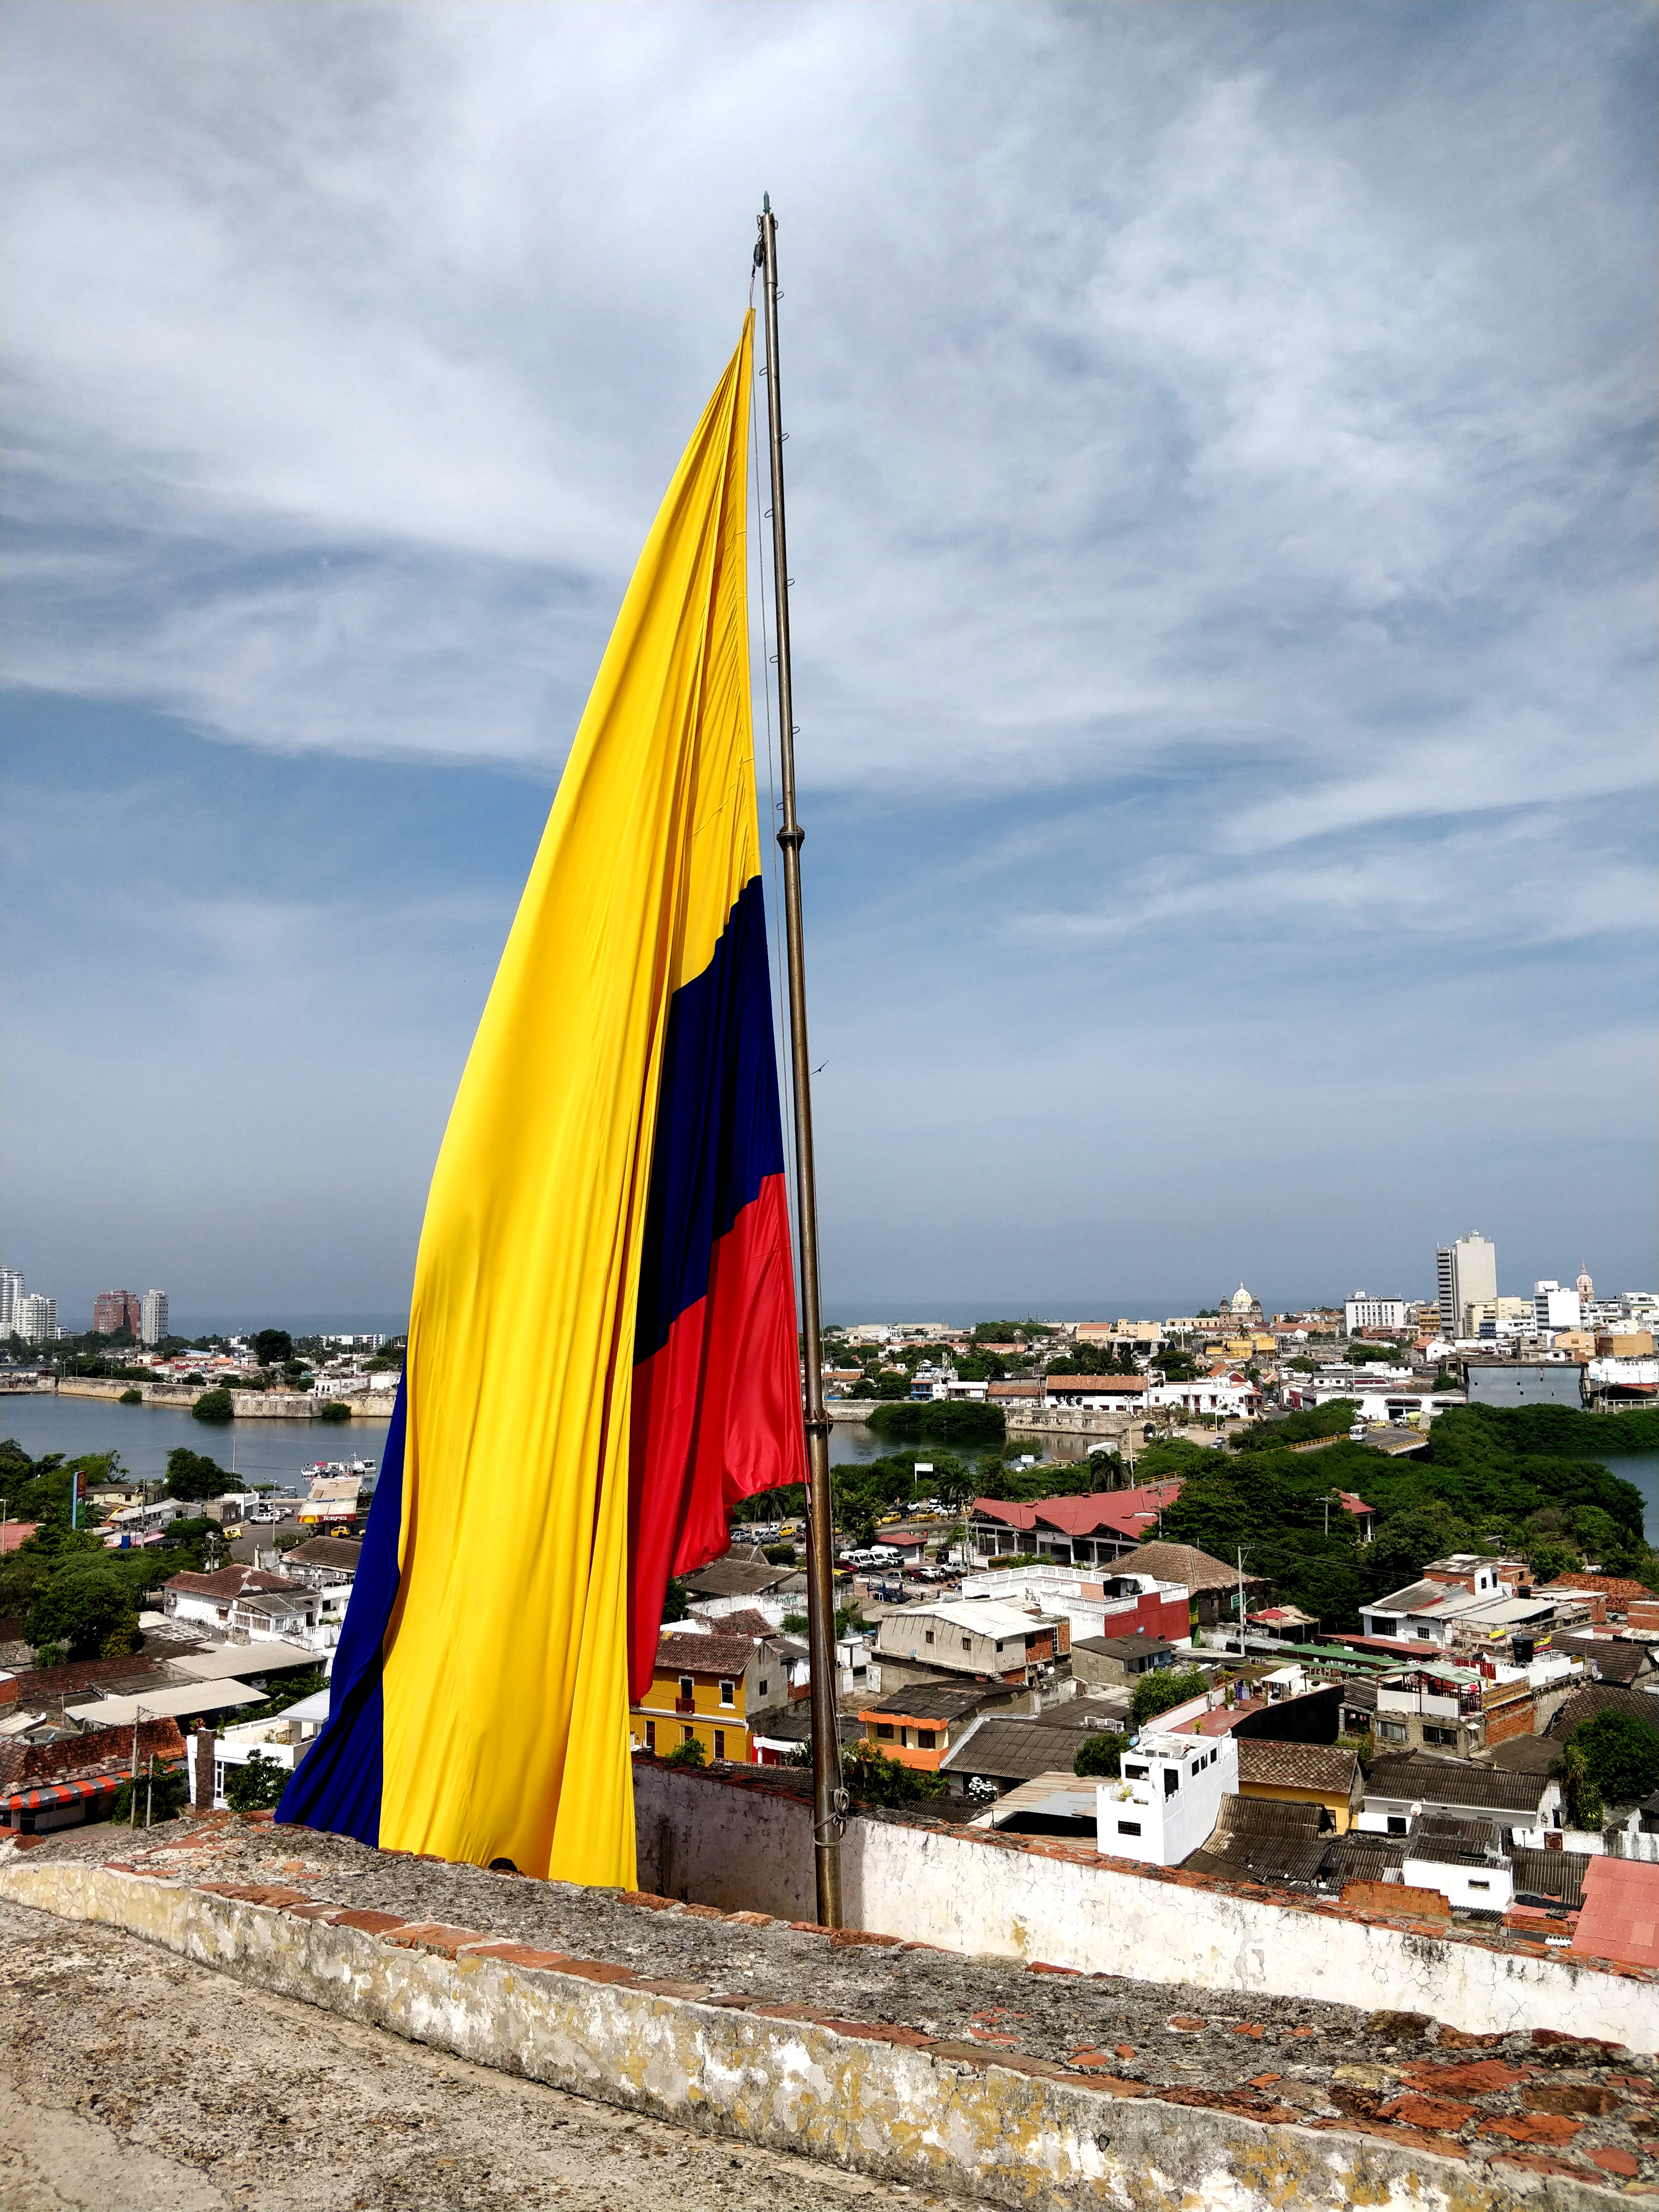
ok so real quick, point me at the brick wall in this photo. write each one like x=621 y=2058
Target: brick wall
x=1510 y=1720
x=28 y=1766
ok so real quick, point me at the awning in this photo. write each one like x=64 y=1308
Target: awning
x=62 y=1793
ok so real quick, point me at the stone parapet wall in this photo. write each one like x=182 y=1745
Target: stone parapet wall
x=723 y=1844
x=859 y=2093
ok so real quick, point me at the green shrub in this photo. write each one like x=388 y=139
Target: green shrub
x=166 y=1793
x=782 y=1555
x=131 y=1398
x=334 y=1411
x=870 y=1774
x=1101 y=1753
x=1168 y=1686
x=255 y=1787
x=689 y=1753
x=214 y=1406
x=1621 y=1755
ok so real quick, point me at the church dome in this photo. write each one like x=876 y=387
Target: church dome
x=1241 y=1301
x=1586 y=1288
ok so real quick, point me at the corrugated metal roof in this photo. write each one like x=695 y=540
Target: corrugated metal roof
x=1008 y=1747
x=1454 y=1782
x=1296 y=1765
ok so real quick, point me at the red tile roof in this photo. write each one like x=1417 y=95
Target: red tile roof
x=227 y=1582
x=72 y=1758
x=1620 y=1918
x=1617 y=1589
x=1121 y=1385
x=1127 y=1513
x=703 y=1655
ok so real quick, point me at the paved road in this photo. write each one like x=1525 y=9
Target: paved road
x=134 y=2081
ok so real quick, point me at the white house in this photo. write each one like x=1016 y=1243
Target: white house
x=1167 y=1799
x=1229 y=1396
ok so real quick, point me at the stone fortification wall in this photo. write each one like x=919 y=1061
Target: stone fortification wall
x=250 y=1405
x=990 y=2125
x=732 y=1844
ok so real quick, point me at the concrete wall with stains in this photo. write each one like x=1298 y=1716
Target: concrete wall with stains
x=736 y=1846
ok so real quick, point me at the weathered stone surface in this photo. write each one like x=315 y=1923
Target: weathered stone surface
x=1014 y=2128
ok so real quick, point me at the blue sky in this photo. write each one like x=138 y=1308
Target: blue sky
x=1221 y=513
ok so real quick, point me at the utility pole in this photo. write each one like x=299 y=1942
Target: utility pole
x=829 y=1798
x=1241 y=1550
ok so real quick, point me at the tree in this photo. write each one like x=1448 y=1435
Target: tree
x=255 y=1786
x=272 y=1345
x=131 y=1398
x=871 y=1775
x=1550 y=1561
x=161 y=1795
x=214 y=1406
x=1101 y=1753
x=1581 y=1800
x=781 y=1555
x=1157 y=1692
x=193 y=1476
x=674 y=1606
x=85 y=1607
x=689 y=1753
x=334 y=1412
x=1620 y=1753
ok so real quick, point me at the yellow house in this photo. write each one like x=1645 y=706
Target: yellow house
x=1303 y=1774
x=708 y=1687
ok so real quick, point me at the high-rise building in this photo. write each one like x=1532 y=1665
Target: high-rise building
x=37 y=1318
x=1552 y=1307
x=114 y=1310
x=1362 y=1310
x=1467 y=1273
x=153 y=1315
x=11 y=1288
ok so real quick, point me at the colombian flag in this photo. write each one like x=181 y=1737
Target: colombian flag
x=602 y=1350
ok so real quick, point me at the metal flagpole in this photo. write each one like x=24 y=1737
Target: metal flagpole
x=830 y=1799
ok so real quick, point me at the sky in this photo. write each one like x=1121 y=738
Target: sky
x=1221 y=516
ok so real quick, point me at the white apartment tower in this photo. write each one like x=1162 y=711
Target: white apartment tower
x=11 y=1290
x=1362 y=1310
x=1467 y=1276
x=1552 y=1307
x=153 y=1316
x=36 y=1319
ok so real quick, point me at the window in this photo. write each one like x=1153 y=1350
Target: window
x=928 y=1636
x=1129 y=1827
x=1171 y=1780
x=761 y=1689
x=1134 y=1773
x=651 y=1735
x=925 y=1739
x=966 y=1642
x=720 y=1743
x=883 y=1731
x=687 y=1686
x=1393 y=1731
x=1473 y=1884
x=728 y=1693
x=688 y=1735
x=1440 y=1735
x=999 y=1643
x=1397 y=1824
